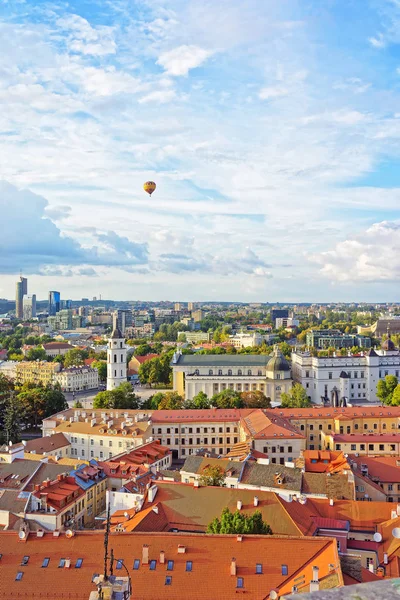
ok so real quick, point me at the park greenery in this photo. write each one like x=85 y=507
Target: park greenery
x=24 y=407
x=295 y=398
x=388 y=390
x=239 y=523
x=212 y=475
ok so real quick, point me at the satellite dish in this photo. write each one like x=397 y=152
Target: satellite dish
x=377 y=537
x=396 y=532
x=22 y=535
x=69 y=533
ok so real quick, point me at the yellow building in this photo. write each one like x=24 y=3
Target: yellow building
x=36 y=372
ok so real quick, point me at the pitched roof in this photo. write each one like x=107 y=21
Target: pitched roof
x=57 y=346
x=268 y=475
x=326 y=412
x=268 y=425
x=191 y=509
x=223 y=360
x=47 y=443
x=384 y=468
x=210 y=556
x=197 y=464
x=198 y=416
x=145 y=358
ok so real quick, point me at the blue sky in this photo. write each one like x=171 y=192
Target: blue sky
x=271 y=128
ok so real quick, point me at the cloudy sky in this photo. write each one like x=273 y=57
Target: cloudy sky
x=272 y=130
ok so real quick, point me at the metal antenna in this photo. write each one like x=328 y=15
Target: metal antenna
x=106 y=536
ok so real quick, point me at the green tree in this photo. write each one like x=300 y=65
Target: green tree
x=227 y=399
x=101 y=367
x=295 y=398
x=385 y=388
x=12 y=420
x=122 y=397
x=171 y=401
x=75 y=357
x=54 y=400
x=239 y=522
x=255 y=399
x=77 y=404
x=212 y=475
x=36 y=354
x=200 y=401
x=182 y=337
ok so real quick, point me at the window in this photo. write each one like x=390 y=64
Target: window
x=25 y=560
x=290 y=449
x=381 y=447
x=219 y=371
x=356 y=426
x=210 y=372
x=390 y=487
x=284 y=569
x=170 y=565
x=239 y=372
x=338 y=447
x=259 y=569
x=189 y=565
x=136 y=564
x=78 y=563
x=168 y=580
x=362 y=447
x=229 y=371
x=240 y=582
x=45 y=563
x=61 y=564
x=370 y=446
x=19 y=576
x=153 y=565
x=120 y=562
x=353 y=447
x=330 y=375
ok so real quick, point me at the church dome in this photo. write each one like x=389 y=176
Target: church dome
x=388 y=345
x=277 y=363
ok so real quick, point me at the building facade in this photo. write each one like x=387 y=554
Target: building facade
x=75 y=379
x=21 y=289
x=54 y=303
x=29 y=307
x=116 y=360
x=331 y=379
x=36 y=372
x=214 y=373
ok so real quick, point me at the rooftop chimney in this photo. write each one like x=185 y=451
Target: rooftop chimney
x=239 y=537
x=255 y=501
x=145 y=554
x=331 y=502
x=239 y=505
x=371 y=567
x=181 y=549
x=233 y=566
x=314 y=583
x=162 y=557
x=385 y=558
x=67 y=564
x=196 y=483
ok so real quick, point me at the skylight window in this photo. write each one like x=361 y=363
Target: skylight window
x=240 y=582
x=45 y=562
x=259 y=569
x=78 y=563
x=120 y=562
x=25 y=560
x=61 y=564
x=136 y=564
x=284 y=569
x=170 y=565
x=153 y=565
x=168 y=580
x=19 y=576
x=189 y=565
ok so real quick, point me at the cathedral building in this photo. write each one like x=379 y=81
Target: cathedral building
x=213 y=373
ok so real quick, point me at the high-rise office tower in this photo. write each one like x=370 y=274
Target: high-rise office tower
x=190 y=306
x=20 y=291
x=122 y=318
x=29 y=307
x=65 y=304
x=54 y=303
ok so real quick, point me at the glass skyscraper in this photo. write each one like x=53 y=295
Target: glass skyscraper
x=20 y=292
x=54 y=303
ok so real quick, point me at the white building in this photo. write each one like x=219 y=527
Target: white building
x=116 y=360
x=246 y=340
x=351 y=377
x=213 y=373
x=8 y=368
x=29 y=307
x=286 y=322
x=75 y=379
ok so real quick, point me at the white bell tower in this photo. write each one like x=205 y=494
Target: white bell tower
x=116 y=360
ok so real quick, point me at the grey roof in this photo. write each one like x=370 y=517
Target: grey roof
x=10 y=501
x=264 y=476
x=47 y=443
x=278 y=362
x=116 y=334
x=16 y=474
x=192 y=464
x=224 y=360
x=47 y=471
x=344 y=375
x=200 y=463
x=371 y=352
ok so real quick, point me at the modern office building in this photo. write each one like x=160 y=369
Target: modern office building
x=54 y=303
x=20 y=291
x=29 y=307
x=62 y=321
x=122 y=319
x=334 y=338
x=279 y=313
x=65 y=304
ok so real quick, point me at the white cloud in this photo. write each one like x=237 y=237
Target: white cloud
x=270 y=93
x=160 y=96
x=85 y=39
x=180 y=60
x=371 y=256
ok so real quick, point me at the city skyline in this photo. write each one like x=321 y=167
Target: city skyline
x=271 y=130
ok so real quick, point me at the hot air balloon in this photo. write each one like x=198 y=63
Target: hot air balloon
x=149 y=187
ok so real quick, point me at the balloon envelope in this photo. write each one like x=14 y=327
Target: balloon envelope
x=149 y=187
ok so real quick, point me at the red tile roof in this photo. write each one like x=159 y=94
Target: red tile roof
x=385 y=468
x=144 y=359
x=367 y=437
x=197 y=416
x=47 y=443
